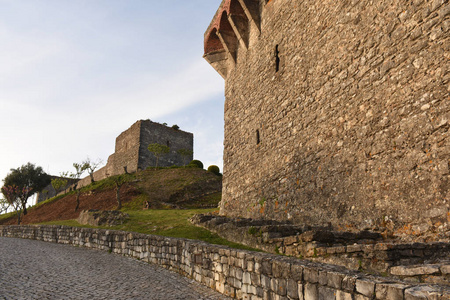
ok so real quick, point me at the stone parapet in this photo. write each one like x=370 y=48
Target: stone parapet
x=237 y=273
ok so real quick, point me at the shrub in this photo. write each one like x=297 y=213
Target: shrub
x=214 y=169
x=196 y=163
x=176 y=127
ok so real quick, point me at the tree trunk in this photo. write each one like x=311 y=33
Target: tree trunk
x=92 y=177
x=78 y=200
x=119 y=202
x=18 y=217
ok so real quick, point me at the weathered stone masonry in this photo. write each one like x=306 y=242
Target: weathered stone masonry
x=336 y=111
x=131 y=149
x=238 y=273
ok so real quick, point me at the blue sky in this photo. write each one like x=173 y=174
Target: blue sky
x=75 y=74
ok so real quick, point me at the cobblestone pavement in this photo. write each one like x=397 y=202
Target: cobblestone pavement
x=32 y=269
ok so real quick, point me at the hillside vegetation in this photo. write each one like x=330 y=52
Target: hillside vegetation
x=161 y=188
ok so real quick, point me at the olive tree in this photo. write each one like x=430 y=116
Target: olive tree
x=119 y=181
x=12 y=196
x=158 y=150
x=4 y=205
x=29 y=180
x=59 y=183
x=91 y=166
x=186 y=154
x=80 y=168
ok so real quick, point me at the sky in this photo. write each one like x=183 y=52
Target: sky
x=75 y=74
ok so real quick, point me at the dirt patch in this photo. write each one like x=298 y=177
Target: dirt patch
x=64 y=209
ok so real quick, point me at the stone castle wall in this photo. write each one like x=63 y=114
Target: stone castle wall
x=176 y=139
x=237 y=273
x=336 y=111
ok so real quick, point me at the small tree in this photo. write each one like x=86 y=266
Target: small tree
x=79 y=170
x=196 y=164
x=29 y=179
x=158 y=150
x=4 y=206
x=14 y=196
x=120 y=180
x=186 y=154
x=91 y=166
x=214 y=169
x=59 y=183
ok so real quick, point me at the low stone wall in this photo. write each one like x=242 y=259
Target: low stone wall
x=237 y=273
x=371 y=252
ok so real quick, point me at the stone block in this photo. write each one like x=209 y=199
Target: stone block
x=390 y=291
x=340 y=295
x=246 y=278
x=255 y=278
x=354 y=248
x=289 y=240
x=280 y=269
x=414 y=270
x=349 y=283
x=300 y=289
x=365 y=287
x=311 y=292
x=418 y=293
x=445 y=269
x=238 y=273
x=310 y=275
x=323 y=278
x=265 y=282
x=326 y=293
x=296 y=272
x=278 y=286
x=266 y=267
x=335 y=280
x=292 y=289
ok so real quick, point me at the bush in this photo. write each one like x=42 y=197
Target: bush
x=214 y=169
x=176 y=127
x=196 y=163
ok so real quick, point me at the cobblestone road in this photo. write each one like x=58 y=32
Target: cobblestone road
x=38 y=270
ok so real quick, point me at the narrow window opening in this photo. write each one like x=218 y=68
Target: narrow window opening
x=168 y=144
x=277 y=59
x=258 y=140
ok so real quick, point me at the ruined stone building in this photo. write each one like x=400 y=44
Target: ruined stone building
x=131 y=152
x=132 y=149
x=335 y=111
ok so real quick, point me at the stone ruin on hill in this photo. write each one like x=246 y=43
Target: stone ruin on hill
x=131 y=153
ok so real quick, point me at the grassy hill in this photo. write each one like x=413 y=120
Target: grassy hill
x=174 y=195
x=166 y=188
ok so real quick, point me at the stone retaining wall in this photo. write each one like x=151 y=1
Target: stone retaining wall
x=367 y=251
x=237 y=273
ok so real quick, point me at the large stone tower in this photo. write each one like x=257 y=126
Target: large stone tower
x=336 y=111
